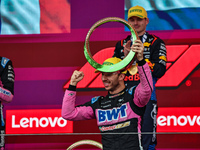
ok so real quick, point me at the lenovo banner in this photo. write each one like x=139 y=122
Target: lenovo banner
x=178 y=119
x=36 y=121
x=169 y=119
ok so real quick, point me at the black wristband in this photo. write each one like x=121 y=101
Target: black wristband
x=72 y=88
x=141 y=63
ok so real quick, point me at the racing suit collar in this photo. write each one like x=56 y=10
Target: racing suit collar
x=117 y=94
x=143 y=37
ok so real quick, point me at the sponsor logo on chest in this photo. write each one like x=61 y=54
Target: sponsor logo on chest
x=113 y=114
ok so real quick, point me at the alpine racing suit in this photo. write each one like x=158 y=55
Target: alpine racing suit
x=119 y=113
x=6 y=91
x=155 y=55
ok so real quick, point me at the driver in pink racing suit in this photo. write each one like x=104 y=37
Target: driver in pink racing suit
x=120 y=111
x=7 y=76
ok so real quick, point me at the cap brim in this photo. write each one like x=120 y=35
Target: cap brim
x=97 y=71
x=139 y=16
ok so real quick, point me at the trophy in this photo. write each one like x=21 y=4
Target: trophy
x=125 y=63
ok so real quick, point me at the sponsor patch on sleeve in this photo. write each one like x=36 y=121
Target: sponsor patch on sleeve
x=5 y=92
x=163 y=58
x=71 y=94
x=4 y=61
x=94 y=99
x=131 y=90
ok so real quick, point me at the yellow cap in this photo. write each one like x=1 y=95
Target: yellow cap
x=111 y=61
x=137 y=11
